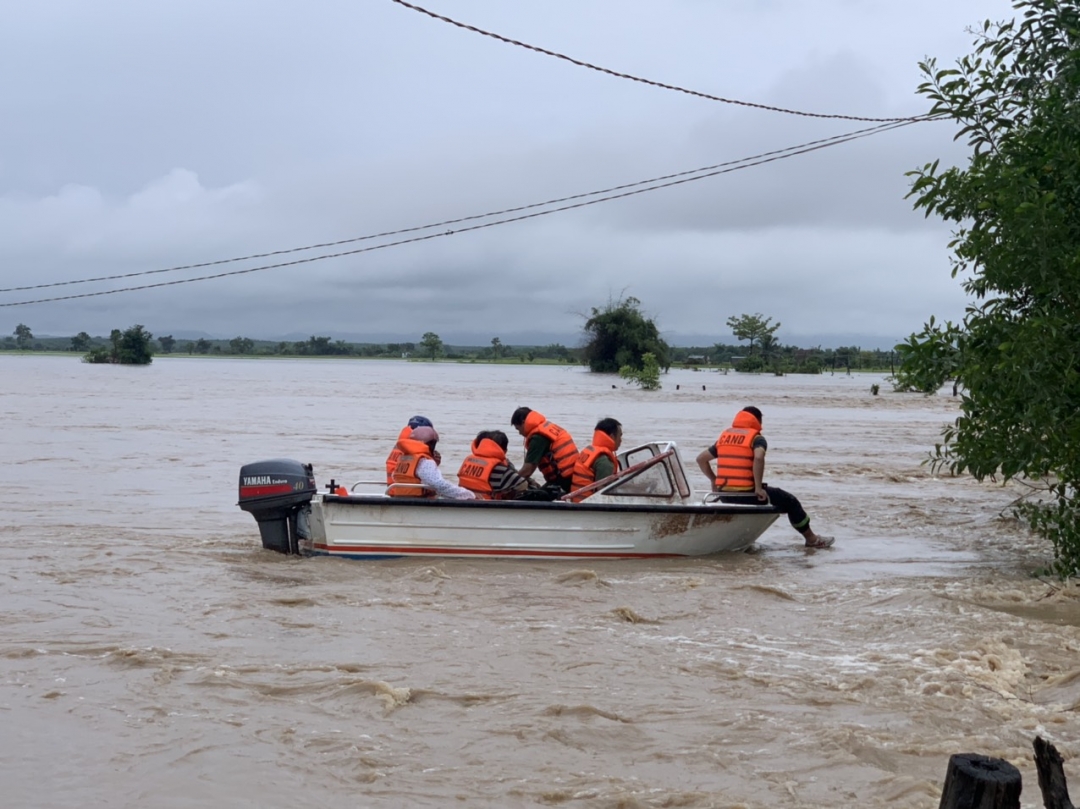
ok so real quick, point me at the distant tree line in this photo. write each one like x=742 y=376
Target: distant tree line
x=631 y=341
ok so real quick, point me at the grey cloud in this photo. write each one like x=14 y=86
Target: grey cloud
x=147 y=137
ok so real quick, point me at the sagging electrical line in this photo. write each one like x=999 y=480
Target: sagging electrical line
x=445 y=222
x=650 y=82
x=535 y=214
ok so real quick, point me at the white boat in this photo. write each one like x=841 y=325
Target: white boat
x=645 y=510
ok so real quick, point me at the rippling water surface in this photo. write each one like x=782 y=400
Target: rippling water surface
x=152 y=654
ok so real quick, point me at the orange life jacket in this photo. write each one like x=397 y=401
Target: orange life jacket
x=412 y=452
x=561 y=457
x=395 y=455
x=735 y=454
x=603 y=445
x=476 y=469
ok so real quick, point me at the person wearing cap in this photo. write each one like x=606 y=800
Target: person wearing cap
x=417 y=474
x=395 y=453
x=598 y=461
x=487 y=473
x=740 y=468
x=548 y=447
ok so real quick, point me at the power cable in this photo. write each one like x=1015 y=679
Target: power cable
x=447 y=222
x=651 y=83
x=535 y=214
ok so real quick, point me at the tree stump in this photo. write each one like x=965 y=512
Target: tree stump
x=1051 y=776
x=979 y=782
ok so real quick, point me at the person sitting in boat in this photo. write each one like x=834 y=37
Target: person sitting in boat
x=597 y=461
x=548 y=447
x=417 y=474
x=487 y=473
x=740 y=467
x=395 y=453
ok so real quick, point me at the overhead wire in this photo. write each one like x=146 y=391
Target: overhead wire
x=650 y=82
x=670 y=181
x=443 y=223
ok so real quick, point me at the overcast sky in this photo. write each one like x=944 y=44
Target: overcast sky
x=138 y=136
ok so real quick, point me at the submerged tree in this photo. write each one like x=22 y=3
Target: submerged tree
x=128 y=347
x=647 y=377
x=1016 y=206
x=619 y=336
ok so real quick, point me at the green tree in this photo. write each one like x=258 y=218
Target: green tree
x=167 y=343
x=648 y=376
x=753 y=328
x=431 y=344
x=771 y=351
x=23 y=336
x=928 y=359
x=619 y=336
x=202 y=346
x=135 y=347
x=242 y=345
x=129 y=347
x=80 y=342
x=496 y=347
x=1016 y=206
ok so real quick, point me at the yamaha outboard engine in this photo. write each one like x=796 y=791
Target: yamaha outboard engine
x=277 y=494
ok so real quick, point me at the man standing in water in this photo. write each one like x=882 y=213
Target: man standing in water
x=740 y=467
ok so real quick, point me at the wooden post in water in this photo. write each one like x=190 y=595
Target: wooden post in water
x=1051 y=776
x=979 y=782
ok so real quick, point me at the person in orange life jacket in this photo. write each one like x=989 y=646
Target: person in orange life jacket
x=395 y=453
x=740 y=467
x=417 y=474
x=548 y=447
x=487 y=473
x=597 y=461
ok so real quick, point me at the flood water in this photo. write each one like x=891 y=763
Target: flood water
x=153 y=655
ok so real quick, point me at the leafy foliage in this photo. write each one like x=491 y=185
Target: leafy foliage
x=1017 y=207
x=129 y=347
x=647 y=377
x=619 y=336
x=755 y=328
x=240 y=345
x=431 y=344
x=23 y=336
x=928 y=359
x=80 y=342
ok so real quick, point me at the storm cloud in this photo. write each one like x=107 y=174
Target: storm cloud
x=144 y=137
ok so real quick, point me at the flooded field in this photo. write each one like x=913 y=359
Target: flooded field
x=152 y=654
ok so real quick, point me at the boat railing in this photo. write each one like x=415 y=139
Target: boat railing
x=623 y=474
x=374 y=487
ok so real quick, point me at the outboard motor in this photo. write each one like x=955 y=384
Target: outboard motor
x=277 y=494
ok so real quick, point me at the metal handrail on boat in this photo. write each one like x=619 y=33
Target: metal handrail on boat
x=603 y=483
x=386 y=489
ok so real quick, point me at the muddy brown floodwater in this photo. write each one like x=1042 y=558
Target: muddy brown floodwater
x=152 y=654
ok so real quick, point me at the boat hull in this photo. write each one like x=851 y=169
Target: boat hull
x=372 y=527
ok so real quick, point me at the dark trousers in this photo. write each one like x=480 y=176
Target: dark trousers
x=790 y=505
